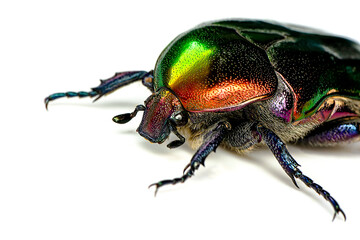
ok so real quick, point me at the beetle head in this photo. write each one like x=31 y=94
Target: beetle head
x=163 y=112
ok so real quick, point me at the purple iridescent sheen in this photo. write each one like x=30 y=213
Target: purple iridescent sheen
x=282 y=103
x=336 y=134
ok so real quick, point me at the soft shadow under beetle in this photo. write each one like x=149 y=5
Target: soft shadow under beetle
x=239 y=83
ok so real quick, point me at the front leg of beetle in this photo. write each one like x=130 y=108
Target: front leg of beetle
x=108 y=86
x=290 y=166
x=211 y=141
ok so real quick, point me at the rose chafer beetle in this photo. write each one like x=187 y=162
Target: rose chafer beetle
x=240 y=83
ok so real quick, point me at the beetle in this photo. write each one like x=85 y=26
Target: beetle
x=242 y=83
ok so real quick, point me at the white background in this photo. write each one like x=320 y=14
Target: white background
x=71 y=173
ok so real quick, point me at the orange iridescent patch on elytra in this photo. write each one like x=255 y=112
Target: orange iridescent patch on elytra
x=220 y=95
x=215 y=69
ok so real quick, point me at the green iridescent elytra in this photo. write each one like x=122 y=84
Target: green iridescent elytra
x=315 y=65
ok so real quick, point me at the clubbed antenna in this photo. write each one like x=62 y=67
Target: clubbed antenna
x=126 y=117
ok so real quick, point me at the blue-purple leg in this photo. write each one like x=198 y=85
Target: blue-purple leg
x=211 y=141
x=290 y=166
x=334 y=133
x=108 y=85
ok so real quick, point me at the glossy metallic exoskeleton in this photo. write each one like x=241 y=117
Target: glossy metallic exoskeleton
x=239 y=83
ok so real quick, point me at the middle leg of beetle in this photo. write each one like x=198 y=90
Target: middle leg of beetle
x=290 y=166
x=211 y=141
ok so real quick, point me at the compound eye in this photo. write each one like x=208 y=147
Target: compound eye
x=180 y=118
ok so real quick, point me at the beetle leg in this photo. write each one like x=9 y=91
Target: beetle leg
x=176 y=143
x=334 y=133
x=290 y=166
x=108 y=85
x=211 y=142
x=80 y=94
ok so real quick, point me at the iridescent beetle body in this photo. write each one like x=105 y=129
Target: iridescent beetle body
x=239 y=83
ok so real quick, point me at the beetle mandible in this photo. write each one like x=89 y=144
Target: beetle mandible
x=239 y=83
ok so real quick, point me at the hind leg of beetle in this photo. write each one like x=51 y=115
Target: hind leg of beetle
x=290 y=166
x=211 y=141
x=108 y=85
x=333 y=133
